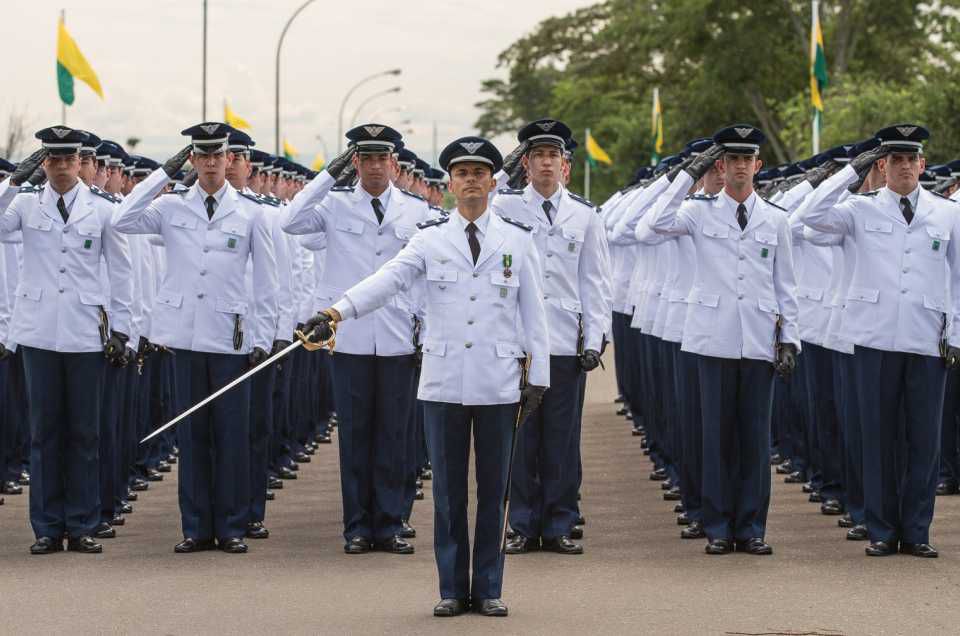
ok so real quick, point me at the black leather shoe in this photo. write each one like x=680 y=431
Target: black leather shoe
x=793 y=478
x=672 y=495
x=857 y=533
x=310 y=450
x=418 y=495
x=47 y=545
x=451 y=607
x=407 y=531
x=394 y=545
x=188 y=546
x=126 y=508
x=815 y=497
x=693 y=531
x=755 y=546
x=324 y=438
x=629 y=416
x=255 y=530
x=880 y=549
x=295 y=467
x=270 y=495
x=580 y=521
x=831 y=507
x=232 y=546
x=490 y=607
x=645 y=445
x=104 y=531
x=426 y=474
x=154 y=475
x=618 y=399
x=808 y=488
x=139 y=485
x=948 y=487
x=622 y=411
x=666 y=484
x=11 y=488
x=561 y=545
x=171 y=459
x=84 y=545
x=301 y=458
x=679 y=508
x=511 y=534
x=576 y=533
x=1 y=501
x=163 y=467
x=286 y=473
x=522 y=545
x=658 y=475
x=775 y=459
x=845 y=521
x=418 y=483
x=132 y=496
x=637 y=431
x=924 y=550
x=718 y=546
x=274 y=483
x=683 y=519
x=784 y=469
x=357 y=545
x=24 y=478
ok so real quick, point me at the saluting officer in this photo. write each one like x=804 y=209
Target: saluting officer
x=482 y=271
x=374 y=362
x=742 y=317
x=900 y=306
x=570 y=239
x=60 y=321
x=204 y=313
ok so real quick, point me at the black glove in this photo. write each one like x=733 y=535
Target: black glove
x=257 y=356
x=115 y=349
x=952 y=358
x=589 y=360
x=674 y=171
x=129 y=357
x=26 y=167
x=518 y=178
x=865 y=160
x=512 y=160
x=144 y=349
x=339 y=163
x=945 y=185
x=278 y=346
x=318 y=328
x=174 y=163
x=191 y=178
x=39 y=176
x=346 y=176
x=821 y=173
x=4 y=352
x=530 y=399
x=786 y=359
x=704 y=161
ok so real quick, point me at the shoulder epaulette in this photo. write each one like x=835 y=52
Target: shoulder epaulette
x=872 y=193
x=509 y=191
x=28 y=188
x=701 y=197
x=411 y=194
x=942 y=196
x=779 y=207
x=438 y=209
x=522 y=226
x=251 y=197
x=181 y=191
x=106 y=195
x=272 y=202
x=433 y=222
x=342 y=189
x=580 y=199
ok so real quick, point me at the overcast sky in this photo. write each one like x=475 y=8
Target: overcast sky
x=147 y=54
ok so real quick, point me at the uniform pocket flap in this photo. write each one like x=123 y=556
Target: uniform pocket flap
x=678 y=297
x=509 y=350
x=767 y=305
x=403 y=233
x=92 y=298
x=572 y=234
x=863 y=294
x=90 y=231
x=351 y=227
x=701 y=298
x=811 y=293
x=878 y=226
x=41 y=223
x=570 y=305
x=184 y=221
x=716 y=231
x=234 y=228
x=434 y=348
x=501 y=280
x=938 y=234
x=933 y=303
x=29 y=291
x=767 y=238
x=442 y=275
x=169 y=298
x=229 y=306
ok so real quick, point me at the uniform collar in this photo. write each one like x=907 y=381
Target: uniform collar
x=68 y=197
x=913 y=196
x=731 y=204
x=535 y=197
x=482 y=223
x=218 y=195
x=384 y=197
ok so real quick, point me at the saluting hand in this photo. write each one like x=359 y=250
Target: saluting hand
x=340 y=162
x=26 y=167
x=701 y=164
x=174 y=163
x=512 y=160
x=864 y=161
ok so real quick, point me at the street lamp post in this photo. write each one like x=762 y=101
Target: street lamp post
x=276 y=102
x=356 y=113
x=350 y=92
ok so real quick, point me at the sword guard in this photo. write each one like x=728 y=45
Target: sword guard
x=316 y=346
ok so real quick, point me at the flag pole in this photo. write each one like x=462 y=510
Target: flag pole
x=586 y=170
x=815 y=10
x=63 y=104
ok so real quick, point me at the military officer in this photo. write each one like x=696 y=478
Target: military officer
x=204 y=312
x=742 y=318
x=572 y=245
x=898 y=316
x=373 y=363
x=60 y=321
x=481 y=270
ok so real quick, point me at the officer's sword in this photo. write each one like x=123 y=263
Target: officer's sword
x=525 y=364
x=301 y=341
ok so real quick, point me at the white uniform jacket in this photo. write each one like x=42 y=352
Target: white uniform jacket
x=576 y=265
x=899 y=297
x=59 y=297
x=472 y=347
x=745 y=279
x=202 y=304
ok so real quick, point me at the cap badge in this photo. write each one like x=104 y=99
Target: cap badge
x=546 y=126
x=61 y=132
x=471 y=146
x=210 y=128
x=374 y=131
x=906 y=131
x=744 y=132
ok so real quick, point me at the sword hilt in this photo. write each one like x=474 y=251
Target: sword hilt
x=309 y=345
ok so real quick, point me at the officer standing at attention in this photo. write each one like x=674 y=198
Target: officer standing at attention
x=60 y=321
x=742 y=317
x=374 y=361
x=572 y=245
x=204 y=313
x=900 y=305
x=482 y=272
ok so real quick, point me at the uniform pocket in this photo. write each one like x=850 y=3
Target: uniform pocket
x=169 y=298
x=30 y=292
x=441 y=285
x=863 y=294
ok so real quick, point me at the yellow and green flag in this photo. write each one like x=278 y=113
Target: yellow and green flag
x=818 y=68
x=656 y=129
x=596 y=154
x=72 y=65
x=289 y=151
x=318 y=163
x=233 y=119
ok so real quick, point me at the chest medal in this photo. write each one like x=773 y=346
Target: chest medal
x=232 y=243
x=764 y=252
x=936 y=246
x=507 y=262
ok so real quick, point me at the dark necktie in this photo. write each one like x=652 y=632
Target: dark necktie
x=742 y=216
x=377 y=209
x=907 y=209
x=211 y=207
x=472 y=240
x=547 y=206
x=62 y=207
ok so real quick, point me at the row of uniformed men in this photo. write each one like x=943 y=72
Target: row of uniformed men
x=851 y=256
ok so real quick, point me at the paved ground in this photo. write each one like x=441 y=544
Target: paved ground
x=636 y=577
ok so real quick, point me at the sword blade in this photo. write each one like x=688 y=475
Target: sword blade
x=213 y=396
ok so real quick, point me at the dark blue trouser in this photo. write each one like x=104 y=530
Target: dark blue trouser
x=112 y=470
x=412 y=454
x=543 y=496
x=448 y=431
x=849 y=416
x=6 y=421
x=18 y=425
x=669 y=416
x=818 y=366
x=64 y=391
x=691 y=465
x=374 y=396
x=261 y=428
x=618 y=324
x=648 y=361
x=282 y=397
x=214 y=466
x=949 y=439
x=887 y=380
x=736 y=398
